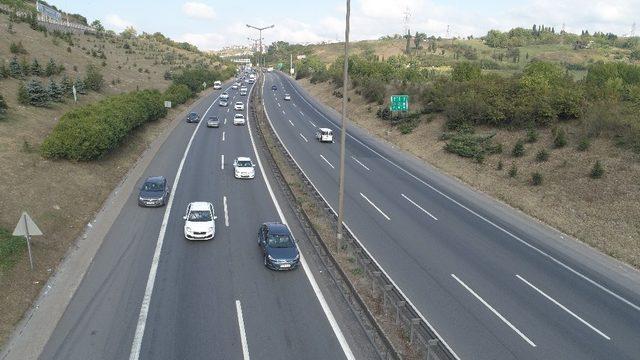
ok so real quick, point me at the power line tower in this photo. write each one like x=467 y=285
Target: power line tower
x=632 y=33
x=406 y=20
x=448 y=32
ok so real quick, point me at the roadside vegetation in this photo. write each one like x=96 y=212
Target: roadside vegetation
x=546 y=121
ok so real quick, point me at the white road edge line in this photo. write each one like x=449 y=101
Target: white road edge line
x=136 y=345
x=494 y=311
x=221 y=162
x=291 y=122
x=420 y=314
x=305 y=139
x=538 y=250
x=243 y=333
x=226 y=213
x=223 y=136
x=564 y=308
x=323 y=302
x=361 y=164
x=418 y=206
x=327 y=161
x=374 y=205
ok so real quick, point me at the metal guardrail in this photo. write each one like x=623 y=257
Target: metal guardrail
x=394 y=307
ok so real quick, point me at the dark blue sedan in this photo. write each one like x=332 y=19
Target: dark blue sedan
x=279 y=250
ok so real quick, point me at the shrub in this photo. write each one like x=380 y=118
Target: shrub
x=583 y=145
x=560 y=138
x=3 y=107
x=542 y=155
x=93 y=79
x=23 y=95
x=81 y=88
x=471 y=145
x=55 y=92
x=51 y=68
x=597 y=171
x=536 y=179
x=33 y=93
x=178 y=94
x=500 y=165
x=532 y=135
x=66 y=86
x=518 y=149
x=15 y=69
x=17 y=48
x=513 y=171
x=91 y=131
x=167 y=75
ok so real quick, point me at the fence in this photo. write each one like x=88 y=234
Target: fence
x=49 y=23
x=394 y=308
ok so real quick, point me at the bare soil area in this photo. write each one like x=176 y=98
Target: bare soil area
x=603 y=213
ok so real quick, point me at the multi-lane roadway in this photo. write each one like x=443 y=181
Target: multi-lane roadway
x=151 y=294
x=492 y=282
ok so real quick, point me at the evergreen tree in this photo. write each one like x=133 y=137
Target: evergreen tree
x=51 y=68
x=55 y=92
x=23 y=95
x=3 y=107
x=26 y=68
x=66 y=85
x=81 y=88
x=38 y=95
x=36 y=69
x=15 y=70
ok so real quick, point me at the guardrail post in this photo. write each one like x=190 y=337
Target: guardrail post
x=415 y=322
x=431 y=349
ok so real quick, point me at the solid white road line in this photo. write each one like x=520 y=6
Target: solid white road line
x=327 y=161
x=361 y=164
x=312 y=280
x=522 y=241
x=305 y=139
x=226 y=213
x=564 y=308
x=291 y=122
x=312 y=124
x=223 y=136
x=243 y=333
x=221 y=162
x=227 y=109
x=374 y=205
x=419 y=207
x=294 y=104
x=136 y=345
x=494 y=311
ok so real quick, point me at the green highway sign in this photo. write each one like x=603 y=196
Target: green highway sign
x=399 y=103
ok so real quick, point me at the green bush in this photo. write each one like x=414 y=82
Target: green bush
x=33 y=93
x=93 y=79
x=513 y=171
x=560 y=138
x=35 y=68
x=177 y=94
x=91 y=131
x=597 y=171
x=532 y=135
x=584 y=144
x=15 y=69
x=542 y=155
x=17 y=48
x=518 y=149
x=471 y=145
x=536 y=179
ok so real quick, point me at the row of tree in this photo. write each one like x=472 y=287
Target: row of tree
x=19 y=69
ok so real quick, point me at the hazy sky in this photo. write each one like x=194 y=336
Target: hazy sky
x=214 y=24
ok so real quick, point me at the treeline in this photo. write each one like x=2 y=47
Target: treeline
x=540 y=35
x=91 y=131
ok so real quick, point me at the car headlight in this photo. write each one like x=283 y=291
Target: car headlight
x=271 y=258
x=297 y=256
x=211 y=229
x=188 y=229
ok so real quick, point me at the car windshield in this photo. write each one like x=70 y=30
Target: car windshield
x=152 y=186
x=239 y=116
x=200 y=215
x=244 y=163
x=280 y=241
x=213 y=119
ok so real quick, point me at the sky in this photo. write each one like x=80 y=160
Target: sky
x=212 y=25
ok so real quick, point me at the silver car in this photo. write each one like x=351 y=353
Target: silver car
x=213 y=122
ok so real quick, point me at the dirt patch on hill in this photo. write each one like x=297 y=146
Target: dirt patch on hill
x=603 y=213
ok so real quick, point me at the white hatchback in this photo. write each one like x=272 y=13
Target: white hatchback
x=199 y=221
x=243 y=168
x=238 y=119
x=239 y=106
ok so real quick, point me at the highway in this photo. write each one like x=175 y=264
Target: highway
x=494 y=283
x=151 y=294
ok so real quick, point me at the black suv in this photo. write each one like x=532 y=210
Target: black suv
x=193 y=117
x=278 y=247
x=154 y=192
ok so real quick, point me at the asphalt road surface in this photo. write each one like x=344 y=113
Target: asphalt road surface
x=210 y=299
x=492 y=282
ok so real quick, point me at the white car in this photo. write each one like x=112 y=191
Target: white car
x=223 y=102
x=243 y=168
x=199 y=221
x=324 y=135
x=224 y=96
x=238 y=119
x=238 y=106
x=234 y=86
x=287 y=97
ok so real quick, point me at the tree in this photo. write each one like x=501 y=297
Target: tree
x=55 y=92
x=51 y=68
x=33 y=93
x=96 y=24
x=65 y=85
x=465 y=71
x=94 y=79
x=81 y=88
x=36 y=69
x=418 y=39
x=15 y=69
x=129 y=33
x=408 y=38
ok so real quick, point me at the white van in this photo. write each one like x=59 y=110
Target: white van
x=324 y=135
x=217 y=85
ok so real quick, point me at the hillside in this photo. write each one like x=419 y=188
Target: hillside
x=62 y=196
x=466 y=125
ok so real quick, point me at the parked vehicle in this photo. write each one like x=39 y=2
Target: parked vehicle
x=199 y=221
x=154 y=192
x=279 y=250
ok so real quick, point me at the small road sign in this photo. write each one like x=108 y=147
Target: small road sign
x=167 y=104
x=27 y=227
x=204 y=84
x=399 y=103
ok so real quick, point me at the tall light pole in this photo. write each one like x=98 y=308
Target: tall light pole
x=343 y=129
x=260 y=30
